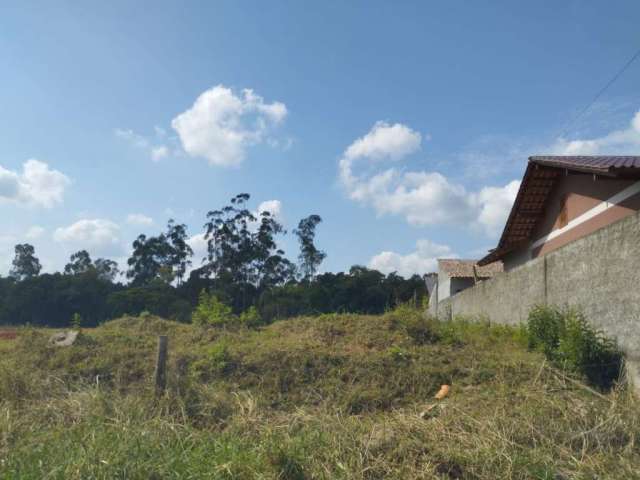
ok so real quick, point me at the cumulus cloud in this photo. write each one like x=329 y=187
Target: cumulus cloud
x=385 y=141
x=423 y=260
x=274 y=207
x=34 y=232
x=199 y=245
x=221 y=125
x=139 y=219
x=98 y=234
x=625 y=141
x=423 y=198
x=36 y=185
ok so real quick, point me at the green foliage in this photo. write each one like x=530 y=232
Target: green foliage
x=399 y=354
x=25 y=263
x=421 y=329
x=211 y=311
x=250 y=317
x=217 y=360
x=76 y=321
x=568 y=340
x=310 y=257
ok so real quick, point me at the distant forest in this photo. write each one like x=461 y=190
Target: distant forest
x=243 y=268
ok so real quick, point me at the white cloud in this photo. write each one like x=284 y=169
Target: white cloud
x=156 y=152
x=221 y=125
x=423 y=198
x=274 y=207
x=133 y=138
x=618 y=142
x=36 y=185
x=97 y=234
x=139 y=219
x=34 y=232
x=423 y=260
x=385 y=141
x=199 y=245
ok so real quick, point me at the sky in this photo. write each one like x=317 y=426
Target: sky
x=405 y=125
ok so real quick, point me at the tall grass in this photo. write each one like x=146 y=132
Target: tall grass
x=338 y=396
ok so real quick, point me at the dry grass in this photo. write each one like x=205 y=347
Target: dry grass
x=339 y=396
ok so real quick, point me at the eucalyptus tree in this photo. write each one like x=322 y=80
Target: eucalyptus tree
x=79 y=262
x=310 y=257
x=25 y=263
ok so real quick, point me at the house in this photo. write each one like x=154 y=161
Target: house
x=564 y=198
x=455 y=275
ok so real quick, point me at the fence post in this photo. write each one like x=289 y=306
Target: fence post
x=161 y=365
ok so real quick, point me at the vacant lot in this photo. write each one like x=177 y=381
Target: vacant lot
x=338 y=396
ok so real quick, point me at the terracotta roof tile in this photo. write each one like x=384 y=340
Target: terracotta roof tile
x=456 y=268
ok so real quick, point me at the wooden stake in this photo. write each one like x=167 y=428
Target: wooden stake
x=161 y=365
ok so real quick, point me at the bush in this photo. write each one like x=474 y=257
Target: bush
x=420 y=329
x=210 y=311
x=570 y=342
x=216 y=361
x=76 y=321
x=250 y=317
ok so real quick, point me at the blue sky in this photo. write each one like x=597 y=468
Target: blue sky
x=405 y=125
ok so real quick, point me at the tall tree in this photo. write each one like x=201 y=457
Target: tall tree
x=106 y=269
x=242 y=249
x=150 y=260
x=79 y=262
x=25 y=263
x=229 y=242
x=310 y=257
x=181 y=251
x=165 y=257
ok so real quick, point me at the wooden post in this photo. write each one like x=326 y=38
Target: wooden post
x=161 y=365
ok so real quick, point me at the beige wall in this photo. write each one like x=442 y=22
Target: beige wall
x=598 y=273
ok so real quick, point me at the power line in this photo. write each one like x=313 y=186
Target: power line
x=599 y=94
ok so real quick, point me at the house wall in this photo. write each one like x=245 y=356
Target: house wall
x=444 y=286
x=589 y=204
x=460 y=283
x=598 y=273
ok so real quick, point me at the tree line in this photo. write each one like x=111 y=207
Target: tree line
x=243 y=268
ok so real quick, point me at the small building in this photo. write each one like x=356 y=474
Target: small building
x=455 y=275
x=564 y=198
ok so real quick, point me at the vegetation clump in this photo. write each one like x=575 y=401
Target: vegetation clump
x=570 y=342
x=211 y=312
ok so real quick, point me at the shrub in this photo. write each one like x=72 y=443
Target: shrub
x=544 y=328
x=399 y=354
x=569 y=341
x=210 y=310
x=250 y=317
x=76 y=321
x=420 y=329
x=216 y=361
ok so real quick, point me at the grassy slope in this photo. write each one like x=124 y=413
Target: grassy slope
x=329 y=397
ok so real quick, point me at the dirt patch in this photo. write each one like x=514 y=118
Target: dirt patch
x=8 y=335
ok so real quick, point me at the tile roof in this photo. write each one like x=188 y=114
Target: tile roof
x=539 y=179
x=594 y=164
x=456 y=268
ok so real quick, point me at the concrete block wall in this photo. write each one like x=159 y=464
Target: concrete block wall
x=599 y=273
